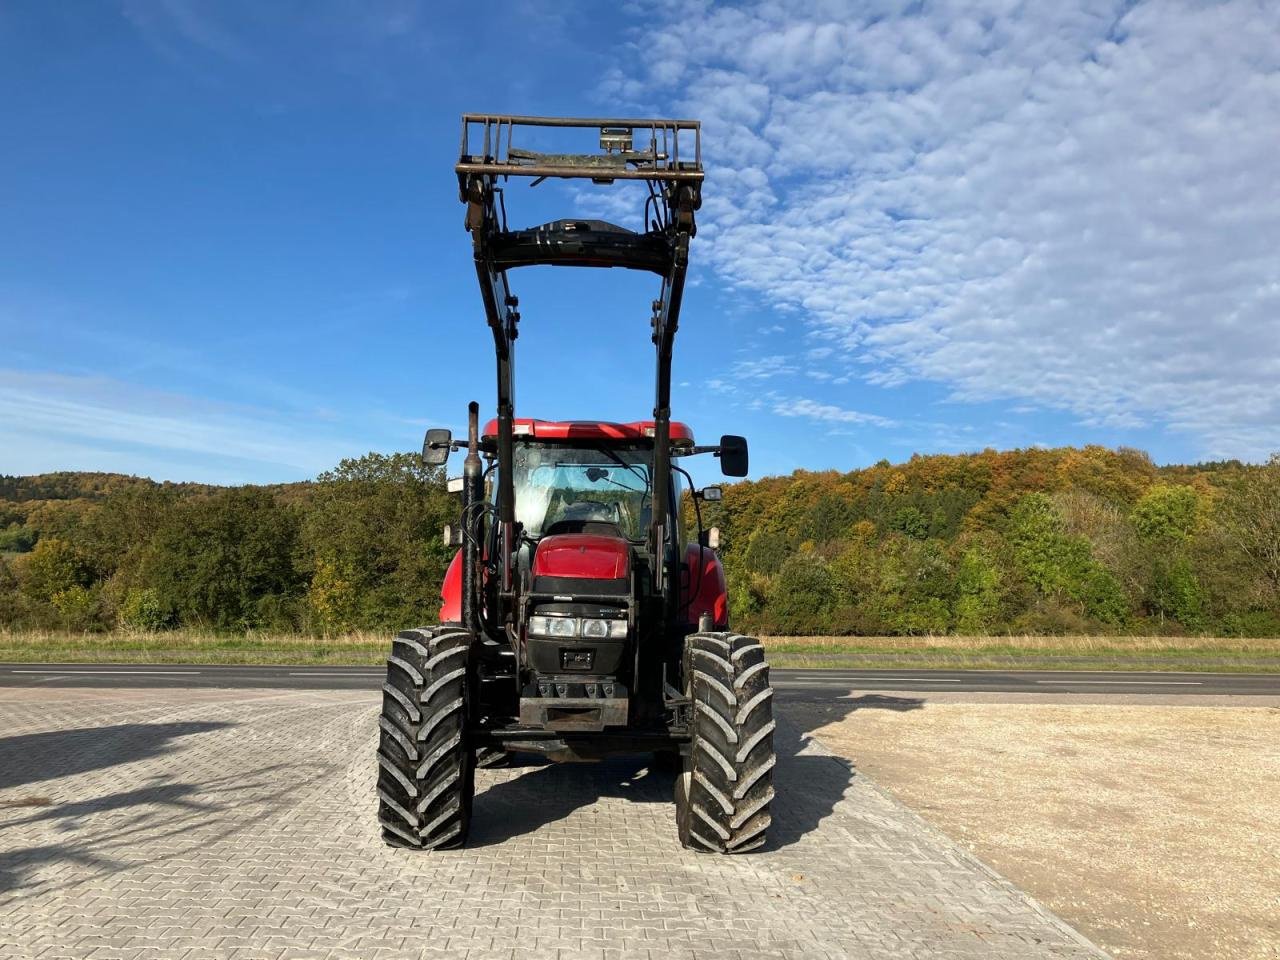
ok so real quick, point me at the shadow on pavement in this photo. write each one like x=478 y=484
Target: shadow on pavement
x=808 y=782
x=104 y=835
x=16 y=864
x=148 y=809
x=548 y=792
x=71 y=818
x=69 y=815
x=36 y=757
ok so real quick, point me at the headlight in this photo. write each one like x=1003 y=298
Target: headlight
x=591 y=628
x=553 y=626
x=563 y=626
x=596 y=629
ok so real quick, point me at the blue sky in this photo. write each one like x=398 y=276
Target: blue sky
x=231 y=248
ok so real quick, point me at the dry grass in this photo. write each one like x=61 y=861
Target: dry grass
x=1026 y=643
x=1227 y=654
x=192 y=646
x=370 y=647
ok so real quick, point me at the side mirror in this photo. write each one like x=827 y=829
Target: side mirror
x=733 y=456
x=711 y=494
x=435 y=448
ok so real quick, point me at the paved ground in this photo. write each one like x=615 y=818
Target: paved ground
x=239 y=824
x=803 y=683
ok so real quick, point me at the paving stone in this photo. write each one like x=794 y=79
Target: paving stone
x=241 y=824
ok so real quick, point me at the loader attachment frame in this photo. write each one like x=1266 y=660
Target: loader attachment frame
x=489 y=156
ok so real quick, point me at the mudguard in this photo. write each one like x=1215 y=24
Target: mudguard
x=703 y=588
x=451 y=591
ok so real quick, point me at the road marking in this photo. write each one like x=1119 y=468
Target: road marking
x=334 y=673
x=1132 y=683
x=111 y=673
x=871 y=679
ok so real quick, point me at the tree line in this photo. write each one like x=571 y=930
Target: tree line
x=1033 y=541
x=1086 y=540
x=359 y=547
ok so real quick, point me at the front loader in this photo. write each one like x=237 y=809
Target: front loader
x=579 y=619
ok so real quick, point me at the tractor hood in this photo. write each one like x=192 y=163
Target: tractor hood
x=583 y=556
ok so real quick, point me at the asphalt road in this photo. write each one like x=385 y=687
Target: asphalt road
x=790 y=684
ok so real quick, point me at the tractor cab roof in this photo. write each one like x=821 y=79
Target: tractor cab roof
x=593 y=430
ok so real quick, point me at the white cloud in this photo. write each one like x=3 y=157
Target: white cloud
x=762 y=368
x=1067 y=205
x=785 y=406
x=53 y=421
x=167 y=24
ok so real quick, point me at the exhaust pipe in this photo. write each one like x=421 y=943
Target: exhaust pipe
x=472 y=494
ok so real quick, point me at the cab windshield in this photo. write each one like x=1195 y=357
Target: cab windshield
x=582 y=489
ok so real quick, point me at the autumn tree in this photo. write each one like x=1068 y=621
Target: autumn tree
x=1250 y=517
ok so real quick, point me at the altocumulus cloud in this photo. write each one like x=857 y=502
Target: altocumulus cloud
x=1068 y=205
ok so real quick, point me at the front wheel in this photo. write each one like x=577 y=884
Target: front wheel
x=725 y=787
x=426 y=767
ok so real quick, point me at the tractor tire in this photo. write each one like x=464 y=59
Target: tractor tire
x=725 y=787
x=426 y=768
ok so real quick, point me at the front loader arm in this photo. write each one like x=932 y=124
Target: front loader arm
x=675 y=193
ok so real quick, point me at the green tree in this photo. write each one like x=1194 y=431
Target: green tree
x=1249 y=515
x=78 y=608
x=1167 y=514
x=372 y=543
x=1166 y=518
x=333 y=597
x=13 y=604
x=145 y=610
x=748 y=594
x=16 y=538
x=917 y=586
x=803 y=593
x=767 y=549
x=977 y=604
x=225 y=560
x=911 y=521
x=856 y=572
x=828 y=518
x=117 y=533
x=1062 y=567
x=1176 y=592
x=53 y=567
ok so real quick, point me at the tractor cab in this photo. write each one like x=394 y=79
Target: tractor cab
x=587 y=477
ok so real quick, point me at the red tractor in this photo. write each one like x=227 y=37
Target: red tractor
x=580 y=617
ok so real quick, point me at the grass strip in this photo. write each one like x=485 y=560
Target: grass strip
x=368 y=648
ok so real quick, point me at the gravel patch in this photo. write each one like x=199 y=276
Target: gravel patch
x=1154 y=828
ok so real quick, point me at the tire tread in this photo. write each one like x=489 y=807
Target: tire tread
x=724 y=795
x=425 y=764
